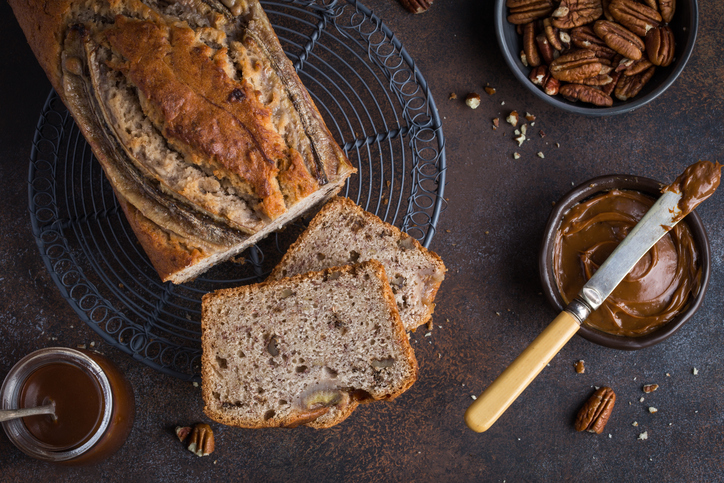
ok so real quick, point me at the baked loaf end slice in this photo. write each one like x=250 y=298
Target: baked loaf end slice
x=304 y=350
x=343 y=233
x=199 y=120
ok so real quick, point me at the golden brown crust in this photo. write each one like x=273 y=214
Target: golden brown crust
x=302 y=418
x=279 y=175
x=168 y=256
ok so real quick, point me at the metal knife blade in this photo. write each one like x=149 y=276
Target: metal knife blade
x=660 y=218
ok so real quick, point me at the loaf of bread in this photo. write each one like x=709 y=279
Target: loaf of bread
x=343 y=233
x=303 y=350
x=197 y=117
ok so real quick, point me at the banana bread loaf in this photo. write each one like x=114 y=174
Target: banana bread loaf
x=303 y=350
x=197 y=117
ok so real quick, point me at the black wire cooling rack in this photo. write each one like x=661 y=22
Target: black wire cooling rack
x=373 y=99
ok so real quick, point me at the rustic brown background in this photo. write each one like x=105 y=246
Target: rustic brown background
x=489 y=307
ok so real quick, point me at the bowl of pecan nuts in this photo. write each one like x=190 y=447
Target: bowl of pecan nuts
x=597 y=57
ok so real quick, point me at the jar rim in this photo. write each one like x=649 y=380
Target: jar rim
x=11 y=388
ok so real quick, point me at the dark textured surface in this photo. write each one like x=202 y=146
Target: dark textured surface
x=489 y=307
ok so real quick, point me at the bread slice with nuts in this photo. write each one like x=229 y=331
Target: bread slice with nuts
x=303 y=350
x=343 y=233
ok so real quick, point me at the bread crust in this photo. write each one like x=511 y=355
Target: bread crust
x=47 y=26
x=301 y=418
x=352 y=207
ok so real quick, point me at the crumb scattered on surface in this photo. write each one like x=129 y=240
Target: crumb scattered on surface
x=529 y=117
x=520 y=139
x=695 y=371
x=516 y=155
x=196 y=384
x=653 y=410
x=580 y=368
x=473 y=397
x=644 y=435
x=490 y=90
x=635 y=423
x=512 y=118
x=452 y=96
x=642 y=399
x=541 y=155
x=650 y=388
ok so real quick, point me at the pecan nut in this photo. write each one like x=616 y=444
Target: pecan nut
x=529 y=45
x=608 y=88
x=660 y=46
x=594 y=414
x=630 y=85
x=525 y=11
x=637 y=17
x=552 y=86
x=667 y=7
x=574 y=13
x=201 y=440
x=552 y=34
x=585 y=38
x=620 y=39
x=545 y=48
x=584 y=93
x=598 y=80
x=539 y=75
x=637 y=66
x=575 y=66
x=417 y=6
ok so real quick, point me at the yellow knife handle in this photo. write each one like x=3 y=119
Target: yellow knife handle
x=507 y=387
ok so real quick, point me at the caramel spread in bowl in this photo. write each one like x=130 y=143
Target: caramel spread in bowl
x=658 y=288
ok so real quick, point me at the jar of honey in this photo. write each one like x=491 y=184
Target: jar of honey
x=94 y=406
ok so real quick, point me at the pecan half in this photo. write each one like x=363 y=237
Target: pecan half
x=630 y=85
x=620 y=39
x=525 y=11
x=637 y=17
x=529 y=45
x=552 y=86
x=591 y=95
x=201 y=440
x=667 y=7
x=575 y=66
x=585 y=38
x=606 y=13
x=416 y=6
x=637 y=66
x=552 y=34
x=545 y=48
x=574 y=13
x=598 y=80
x=608 y=88
x=539 y=75
x=660 y=46
x=594 y=414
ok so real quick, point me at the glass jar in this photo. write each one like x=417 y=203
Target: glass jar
x=94 y=406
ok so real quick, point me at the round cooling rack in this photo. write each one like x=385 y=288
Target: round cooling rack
x=373 y=99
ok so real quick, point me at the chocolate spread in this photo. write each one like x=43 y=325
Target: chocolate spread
x=653 y=292
x=696 y=183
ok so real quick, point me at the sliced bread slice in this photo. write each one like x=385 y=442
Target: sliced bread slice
x=304 y=350
x=343 y=233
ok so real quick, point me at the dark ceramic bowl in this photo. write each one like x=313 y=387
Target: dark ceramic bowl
x=684 y=25
x=545 y=260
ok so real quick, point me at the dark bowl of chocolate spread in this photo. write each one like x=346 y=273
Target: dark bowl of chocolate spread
x=658 y=296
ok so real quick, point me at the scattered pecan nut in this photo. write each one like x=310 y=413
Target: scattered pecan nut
x=529 y=45
x=630 y=85
x=637 y=17
x=660 y=46
x=574 y=13
x=594 y=414
x=575 y=66
x=620 y=39
x=583 y=93
x=472 y=100
x=648 y=388
x=525 y=11
x=201 y=440
x=417 y=6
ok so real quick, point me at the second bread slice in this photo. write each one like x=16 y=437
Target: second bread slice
x=304 y=350
x=343 y=233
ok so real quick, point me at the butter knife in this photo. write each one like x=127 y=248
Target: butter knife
x=493 y=402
